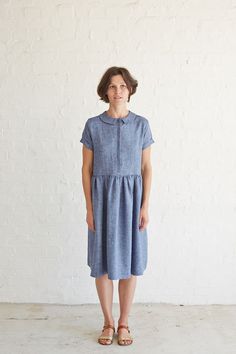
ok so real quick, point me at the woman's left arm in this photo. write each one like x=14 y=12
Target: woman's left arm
x=146 y=170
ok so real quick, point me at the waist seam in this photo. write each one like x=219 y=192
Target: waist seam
x=116 y=175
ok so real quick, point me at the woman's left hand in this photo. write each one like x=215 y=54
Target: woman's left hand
x=143 y=218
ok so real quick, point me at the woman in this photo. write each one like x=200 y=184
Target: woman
x=116 y=177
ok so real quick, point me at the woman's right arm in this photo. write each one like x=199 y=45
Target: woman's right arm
x=87 y=171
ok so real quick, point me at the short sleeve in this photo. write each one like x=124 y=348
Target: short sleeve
x=86 y=138
x=147 y=136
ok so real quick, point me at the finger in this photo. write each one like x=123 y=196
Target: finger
x=91 y=227
x=142 y=228
x=140 y=221
x=144 y=225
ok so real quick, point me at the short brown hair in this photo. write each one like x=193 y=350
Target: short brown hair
x=106 y=78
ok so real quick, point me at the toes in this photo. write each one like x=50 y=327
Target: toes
x=125 y=341
x=105 y=341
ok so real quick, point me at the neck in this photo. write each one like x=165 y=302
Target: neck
x=117 y=112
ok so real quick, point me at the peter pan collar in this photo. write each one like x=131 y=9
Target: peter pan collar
x=107 y=119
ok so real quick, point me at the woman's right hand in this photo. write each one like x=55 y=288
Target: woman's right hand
x=90 y=220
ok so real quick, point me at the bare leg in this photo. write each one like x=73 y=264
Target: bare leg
x=126 y=295
x=105 y=293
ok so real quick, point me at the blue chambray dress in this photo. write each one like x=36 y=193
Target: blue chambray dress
x=117 y=247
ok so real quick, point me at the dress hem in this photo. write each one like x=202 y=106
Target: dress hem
x=126 y=276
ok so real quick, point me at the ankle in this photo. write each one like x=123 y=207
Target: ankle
x=123 y=322
x=108 y=321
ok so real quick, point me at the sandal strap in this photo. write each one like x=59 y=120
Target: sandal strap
x=105 y=337
x=123 y=326
x=108 y=326
x=125 y=338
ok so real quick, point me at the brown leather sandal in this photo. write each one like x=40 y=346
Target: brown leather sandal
x=108 y=339
x=122 y=340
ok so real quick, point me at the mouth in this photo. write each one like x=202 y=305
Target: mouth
x=117 y=98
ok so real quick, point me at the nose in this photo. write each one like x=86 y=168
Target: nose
x=118 y=90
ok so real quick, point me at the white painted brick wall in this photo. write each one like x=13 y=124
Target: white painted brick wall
x=52 y=55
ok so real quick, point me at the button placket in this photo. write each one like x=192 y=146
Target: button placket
x=122 y=125
x=119 y=145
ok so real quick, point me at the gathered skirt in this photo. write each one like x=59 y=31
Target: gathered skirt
x=117 y=247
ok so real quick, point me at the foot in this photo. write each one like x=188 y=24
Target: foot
x=107 y=332
x=124 y=337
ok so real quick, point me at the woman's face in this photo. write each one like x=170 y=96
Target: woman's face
x=117 y=91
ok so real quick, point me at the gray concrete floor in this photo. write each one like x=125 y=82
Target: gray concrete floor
x=156 y=328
